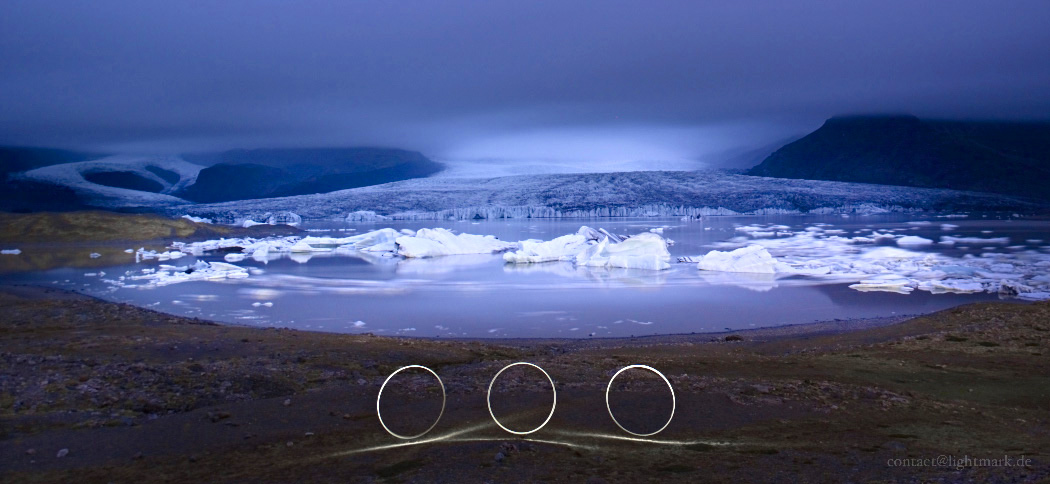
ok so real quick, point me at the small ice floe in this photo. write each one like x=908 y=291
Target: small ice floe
x=10 y=251
x=920 y=222
x=753 y=259
x=233 y=257
x=143 y=254
x=129 y=251
x=358 y=324
x=912 y=240
x=165 y=275
x=949 y=226
x=200 y=220
x=268 y=304
x=888 y=283
x=884 y=268
x=946 y=239
x=94 y=255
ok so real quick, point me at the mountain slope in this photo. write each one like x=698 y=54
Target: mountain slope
x=284 y=172
x=1008 y=158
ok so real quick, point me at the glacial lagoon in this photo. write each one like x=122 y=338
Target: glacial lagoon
x=483 y=296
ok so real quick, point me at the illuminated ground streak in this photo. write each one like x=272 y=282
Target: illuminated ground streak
x=454 y=436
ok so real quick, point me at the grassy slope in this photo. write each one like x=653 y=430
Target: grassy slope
x=236 y=404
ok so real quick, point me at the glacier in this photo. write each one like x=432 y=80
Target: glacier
x=692 y=194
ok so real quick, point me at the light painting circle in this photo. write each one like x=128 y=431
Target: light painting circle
x=488 y=398
x=378 y=398
x=609 y=408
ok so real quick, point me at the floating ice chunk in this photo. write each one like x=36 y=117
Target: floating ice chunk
x=753 y=258
x=920 y=222
x=251 y=223
x=200 y=220
x=887 y=283
x=891 y=254
x=358 y=324
x=440 y=242
x=642 y=251
x=94 y=255
x=303 y=246
x=11 y=251
x=562 y=248
x=165 y=274
x=382 y=240
x=952 y=286
x=912 y=240
x=234 y=257
x=949 y=226
x=946 y=239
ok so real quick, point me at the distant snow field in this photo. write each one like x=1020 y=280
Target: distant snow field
x=169 y=173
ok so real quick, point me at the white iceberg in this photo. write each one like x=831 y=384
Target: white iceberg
x=913 y=240
x=752 y=259
x=166 y=275
x=643 y=251
x=200 y=220
x=562 y=248
x=441 y=242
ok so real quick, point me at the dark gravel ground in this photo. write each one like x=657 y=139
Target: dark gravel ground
x=92 y=391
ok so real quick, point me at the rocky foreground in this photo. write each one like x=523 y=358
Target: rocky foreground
x=92 y=391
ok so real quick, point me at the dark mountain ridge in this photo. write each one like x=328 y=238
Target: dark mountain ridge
x=997 y=157
x=265 y=173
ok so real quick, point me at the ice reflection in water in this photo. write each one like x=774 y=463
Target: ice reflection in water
x=479 y=295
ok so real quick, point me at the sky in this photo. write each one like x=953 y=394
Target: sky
x=604 y=83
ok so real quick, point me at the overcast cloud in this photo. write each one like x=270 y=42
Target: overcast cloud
x=596 y=80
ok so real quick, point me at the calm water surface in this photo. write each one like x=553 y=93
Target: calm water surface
x=481 y=296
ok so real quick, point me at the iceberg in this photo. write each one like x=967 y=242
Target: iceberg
x=441 y=242
x=888 y=283
x=643 y=251
x=166 y=275
x=200 y=220
x=752 y=259
x=562 y=248
x=912 y=240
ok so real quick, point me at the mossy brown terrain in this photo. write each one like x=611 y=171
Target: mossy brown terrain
x=137 y=395
x=66 y=239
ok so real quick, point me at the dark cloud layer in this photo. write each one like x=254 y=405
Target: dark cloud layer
x=504 y=78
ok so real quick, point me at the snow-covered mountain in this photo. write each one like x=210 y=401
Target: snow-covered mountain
x=121 y=181
x=651 y=193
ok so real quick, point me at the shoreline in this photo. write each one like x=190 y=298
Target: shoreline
x=767 y=333
x=134 y=394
